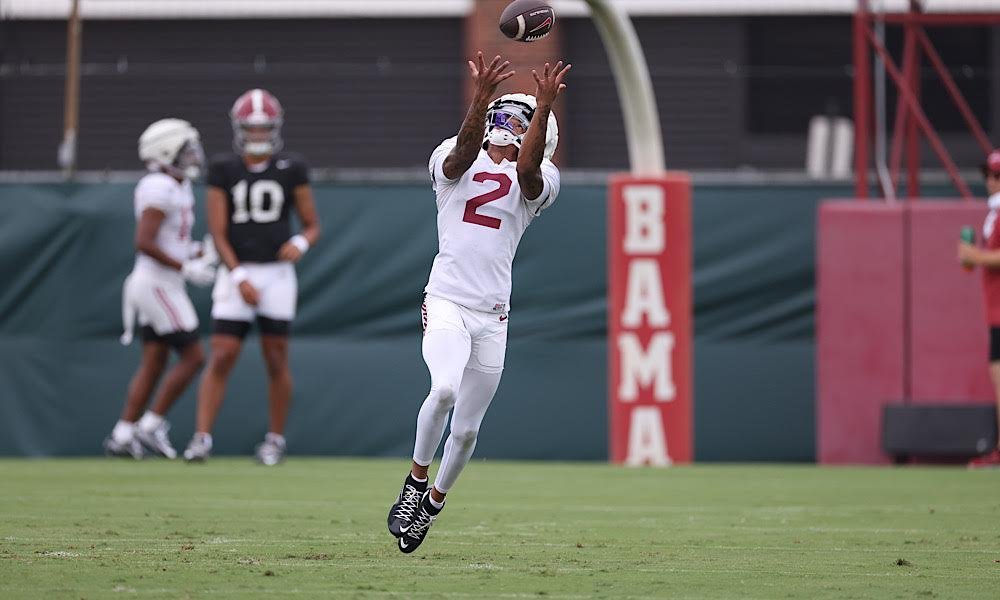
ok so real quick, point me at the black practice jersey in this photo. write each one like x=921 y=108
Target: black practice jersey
x=260 y=204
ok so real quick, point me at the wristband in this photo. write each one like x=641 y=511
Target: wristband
x=239 y=275
x=299 y=241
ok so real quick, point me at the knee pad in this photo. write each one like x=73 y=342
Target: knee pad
x=464 y=435
x=443 y=396
x=445 y=393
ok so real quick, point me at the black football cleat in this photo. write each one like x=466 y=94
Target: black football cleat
x=407 y=503
x=421 y=523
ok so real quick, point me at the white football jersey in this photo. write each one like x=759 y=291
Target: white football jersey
x=481 y=218
x=176 y=201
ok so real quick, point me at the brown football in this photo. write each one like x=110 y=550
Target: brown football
x=527 y=20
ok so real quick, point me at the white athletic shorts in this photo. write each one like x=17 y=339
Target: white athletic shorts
x=486 y=331
x=157 y=301
x=275 y=282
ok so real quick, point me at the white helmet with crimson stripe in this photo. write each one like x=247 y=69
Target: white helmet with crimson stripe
x=257 y=118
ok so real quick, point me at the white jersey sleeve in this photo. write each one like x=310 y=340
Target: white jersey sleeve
x=436 y=165
x=550 y=189
x=155 y=190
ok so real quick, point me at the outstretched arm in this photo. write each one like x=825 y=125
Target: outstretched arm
x=470 y=137
x=529 y=158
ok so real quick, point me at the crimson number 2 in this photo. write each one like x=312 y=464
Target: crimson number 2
x=471 y=216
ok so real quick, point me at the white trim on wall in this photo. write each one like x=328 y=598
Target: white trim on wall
x=578 y=8
x=214 y=9
x=271 y=9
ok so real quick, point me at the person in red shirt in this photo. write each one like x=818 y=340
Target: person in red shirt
x=988 y=257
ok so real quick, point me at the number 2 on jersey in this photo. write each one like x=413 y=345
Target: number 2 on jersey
x=471 y=216
x=257 y=192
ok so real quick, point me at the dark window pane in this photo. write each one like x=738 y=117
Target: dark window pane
x=797 y=67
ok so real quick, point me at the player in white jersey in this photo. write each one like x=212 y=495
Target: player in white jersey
x=154 y=292
x=490 y=184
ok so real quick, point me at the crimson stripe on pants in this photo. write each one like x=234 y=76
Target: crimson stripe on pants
x=162 y=297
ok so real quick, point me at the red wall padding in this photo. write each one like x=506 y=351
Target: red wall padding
x=949 y=347
x=859 y=327
x=897 y=319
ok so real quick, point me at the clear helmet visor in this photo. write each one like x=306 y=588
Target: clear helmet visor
x=509 y=121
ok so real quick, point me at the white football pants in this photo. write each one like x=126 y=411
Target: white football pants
x=158 y=300
x=464 y=351
x=275 y=281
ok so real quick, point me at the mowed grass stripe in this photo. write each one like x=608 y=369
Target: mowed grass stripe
x=511 y=530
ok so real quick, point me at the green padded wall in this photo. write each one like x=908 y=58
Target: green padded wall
x=356 y=347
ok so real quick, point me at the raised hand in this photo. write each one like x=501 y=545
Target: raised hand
x=487 y=77
x=550 y=82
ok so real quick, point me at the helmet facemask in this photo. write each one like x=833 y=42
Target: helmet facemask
x=189 y=160
x=507 y=122
x=257 y=139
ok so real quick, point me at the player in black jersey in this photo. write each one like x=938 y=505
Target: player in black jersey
x=250 y=198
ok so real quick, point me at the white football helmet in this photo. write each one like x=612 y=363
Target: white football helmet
x=173 y=146
x=521 y=107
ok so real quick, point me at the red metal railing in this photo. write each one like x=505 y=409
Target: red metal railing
x=911 y=120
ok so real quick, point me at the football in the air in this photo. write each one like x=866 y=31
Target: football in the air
x=527 y=20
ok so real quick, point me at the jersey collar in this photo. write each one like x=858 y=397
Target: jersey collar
x=259 y=167
x=994 y=201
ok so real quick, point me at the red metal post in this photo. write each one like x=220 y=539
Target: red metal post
x=912 y=133
x=918 y=114
x=901 y=126
x=956 y=94
x=862 y=100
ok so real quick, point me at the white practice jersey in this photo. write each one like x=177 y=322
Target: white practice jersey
x=176 y=201
x=481 y=218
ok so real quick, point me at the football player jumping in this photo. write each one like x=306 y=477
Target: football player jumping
x=489 y=189
x=250 y=198
x=154 y=291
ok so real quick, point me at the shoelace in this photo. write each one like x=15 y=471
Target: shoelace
x=421 y=524
x=409 y=504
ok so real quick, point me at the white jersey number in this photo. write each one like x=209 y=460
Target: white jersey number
x=261 y=189
x=471 y=216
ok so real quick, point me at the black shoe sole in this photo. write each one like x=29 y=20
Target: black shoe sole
x=408 y=549
x=397 y=532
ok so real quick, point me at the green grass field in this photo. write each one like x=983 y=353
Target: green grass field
x=315 y=528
